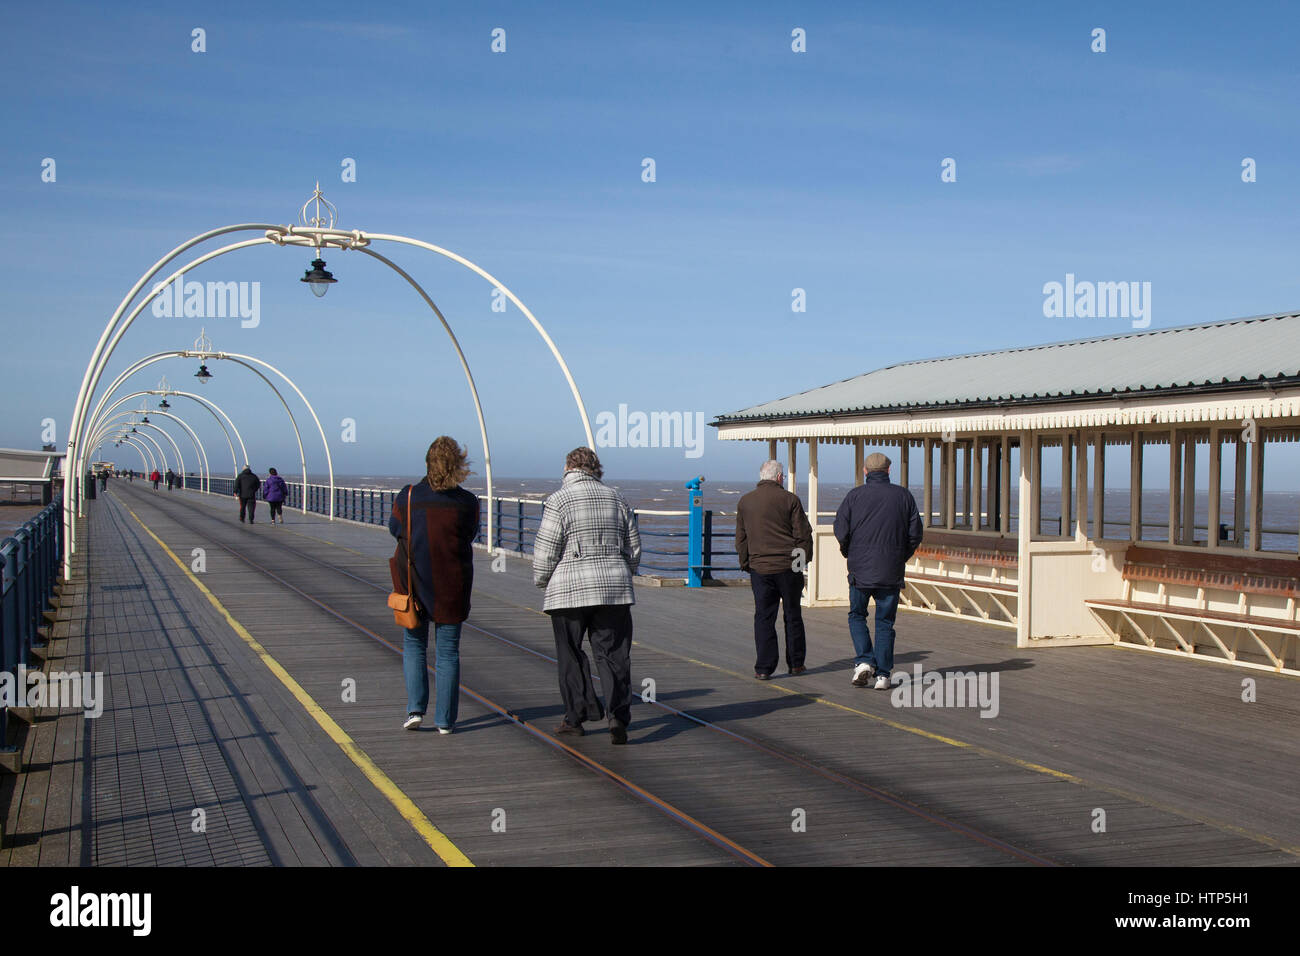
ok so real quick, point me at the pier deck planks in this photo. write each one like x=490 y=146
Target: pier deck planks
x=1186 y=772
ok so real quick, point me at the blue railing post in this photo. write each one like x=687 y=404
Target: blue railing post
x=694 y=578
x=520 y=546
x=706 y=573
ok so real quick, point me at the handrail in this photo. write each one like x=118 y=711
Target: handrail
x=515 y=520
x=29 y=570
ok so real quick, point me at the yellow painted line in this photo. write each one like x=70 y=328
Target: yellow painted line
x=437 y=840
x=975 y=748
x=939 y=738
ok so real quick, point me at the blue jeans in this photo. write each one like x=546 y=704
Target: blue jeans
x=415 y=665
x=886 y=608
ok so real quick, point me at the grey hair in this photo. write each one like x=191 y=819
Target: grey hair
x=770 y=470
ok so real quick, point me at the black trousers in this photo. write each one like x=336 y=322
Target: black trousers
x=249 y=504
x=277 y=508
x=610 y=629
x=771 y=590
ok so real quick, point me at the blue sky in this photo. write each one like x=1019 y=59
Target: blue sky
x=774 y=170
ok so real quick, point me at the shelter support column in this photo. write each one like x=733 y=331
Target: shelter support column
x=812 y=482
x=1067 y=488
x=903 y=474
x=1004 y=484
x=1257 y=490
x=1174 y=485
x=859 y=460
x=1080 y=487
x=792 y=462
x=771 y=449
x=1239 y=496
x=1033 y=515
x=1216 y=479
x=1099 y=487
x=1135 y=487
x=927 y=493
x=1189 y=488
x=1029 y=459
x=948 y=478
x=976 y=471
x=967 y=501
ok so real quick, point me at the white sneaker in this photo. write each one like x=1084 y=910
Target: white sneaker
x=413 y=722
x=862 y=674
x=444 y=730
x=882 y=682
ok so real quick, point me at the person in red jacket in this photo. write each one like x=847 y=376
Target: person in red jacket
x=155 y=478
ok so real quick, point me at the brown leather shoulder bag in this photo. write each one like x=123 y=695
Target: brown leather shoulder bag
x=406 y=611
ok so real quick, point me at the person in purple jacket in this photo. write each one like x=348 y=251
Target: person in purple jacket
x=274 y=490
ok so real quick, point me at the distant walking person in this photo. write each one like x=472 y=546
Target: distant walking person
x=103 y=481
x=773 y=538
x=155 y=478
x=274 y=490
x=246 y=486
x=585 y=555
x=171 y=479
x=443 y=518
x=879 y=529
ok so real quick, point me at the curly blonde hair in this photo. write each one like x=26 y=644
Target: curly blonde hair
x=446 y=463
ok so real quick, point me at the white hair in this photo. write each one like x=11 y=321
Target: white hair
x=770 y=470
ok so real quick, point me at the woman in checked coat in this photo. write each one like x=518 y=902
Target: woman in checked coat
x=585 y=555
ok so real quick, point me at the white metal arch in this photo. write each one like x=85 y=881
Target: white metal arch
x=281 y=235
x=140 y=449
x=198 y=445
x=469 y=377
x=212 y=410
x=159 y=357
x=247 y=362
x=244 y=359
x=143 y=437
x=206 y=475
x=180 y=458
x=146 y=437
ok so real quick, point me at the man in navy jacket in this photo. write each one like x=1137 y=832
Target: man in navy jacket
x=879 y=529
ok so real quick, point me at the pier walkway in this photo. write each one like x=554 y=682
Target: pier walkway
x=254 y=700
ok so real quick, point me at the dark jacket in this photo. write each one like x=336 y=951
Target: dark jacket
x=274 y=488
x=443 y=527
x=879 y=529
x=247 y=483
x=770 y=525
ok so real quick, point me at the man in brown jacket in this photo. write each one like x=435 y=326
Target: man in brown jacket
x=774 y=542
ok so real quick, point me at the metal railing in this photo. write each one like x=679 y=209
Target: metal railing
x=29 y=566
x=517 y=521
x=664 y=534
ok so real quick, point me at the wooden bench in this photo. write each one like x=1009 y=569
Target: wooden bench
x=967 y=549
x=1246 y=576
x=991 y=600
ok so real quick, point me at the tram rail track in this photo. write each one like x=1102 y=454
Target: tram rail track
x=681 y=817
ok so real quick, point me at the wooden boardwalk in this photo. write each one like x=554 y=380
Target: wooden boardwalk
x=202 y=714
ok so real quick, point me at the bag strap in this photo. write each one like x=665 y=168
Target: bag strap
x=410 y=562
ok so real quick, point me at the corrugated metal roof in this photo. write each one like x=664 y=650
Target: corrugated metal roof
x=1248 y=351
